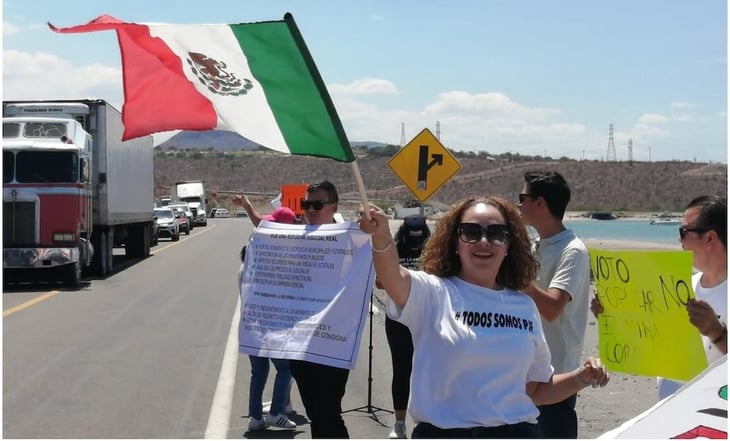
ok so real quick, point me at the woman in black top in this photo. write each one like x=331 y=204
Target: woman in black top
x=409 y=240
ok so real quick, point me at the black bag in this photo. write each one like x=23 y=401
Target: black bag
x=413 y=233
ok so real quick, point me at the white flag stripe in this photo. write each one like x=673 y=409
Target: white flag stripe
x=248 y=113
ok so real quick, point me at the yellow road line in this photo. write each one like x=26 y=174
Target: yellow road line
x=50 y=294
x=29 y=303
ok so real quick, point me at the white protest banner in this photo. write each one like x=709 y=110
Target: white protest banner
x=697 y=410
x=305 y=292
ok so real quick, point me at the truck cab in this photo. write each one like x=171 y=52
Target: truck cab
x=73 y=189
x=47 y=211
x=193 y=193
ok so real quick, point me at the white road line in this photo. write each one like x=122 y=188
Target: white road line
x=220 y=411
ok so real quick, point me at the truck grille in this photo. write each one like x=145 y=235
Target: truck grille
x=18 y=223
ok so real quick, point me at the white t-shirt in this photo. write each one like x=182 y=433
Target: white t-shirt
x=564 y=264
x=716 y=297
x=475 y=349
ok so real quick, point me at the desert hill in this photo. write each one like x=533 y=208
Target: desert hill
x=596 y=185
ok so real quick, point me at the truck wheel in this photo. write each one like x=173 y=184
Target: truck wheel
x=72 y=276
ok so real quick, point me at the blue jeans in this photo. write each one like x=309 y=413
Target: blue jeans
x=282 y=385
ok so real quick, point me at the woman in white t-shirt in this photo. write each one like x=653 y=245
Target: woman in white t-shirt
x=481 y=364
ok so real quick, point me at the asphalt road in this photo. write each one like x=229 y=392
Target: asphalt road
x=142 y=354
x=135 y=355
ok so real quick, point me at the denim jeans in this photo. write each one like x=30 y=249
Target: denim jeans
x=282 y=385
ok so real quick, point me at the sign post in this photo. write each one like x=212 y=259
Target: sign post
x=292 y=195
x=424 y=165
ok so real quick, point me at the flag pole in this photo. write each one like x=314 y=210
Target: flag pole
x=361 y=188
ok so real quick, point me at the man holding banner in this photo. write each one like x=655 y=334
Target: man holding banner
x=704 y=233
x=321 y=387
x=305 y=299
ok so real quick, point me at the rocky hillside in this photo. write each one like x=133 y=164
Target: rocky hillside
x=596 y=185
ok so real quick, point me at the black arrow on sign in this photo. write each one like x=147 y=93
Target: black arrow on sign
x=424 y=166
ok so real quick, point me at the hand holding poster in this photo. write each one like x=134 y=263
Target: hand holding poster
x=644 y=328
x=305 y=292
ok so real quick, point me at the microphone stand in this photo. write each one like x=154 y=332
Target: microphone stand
x=369 y=408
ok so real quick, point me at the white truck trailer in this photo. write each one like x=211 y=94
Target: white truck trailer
x=72 y=190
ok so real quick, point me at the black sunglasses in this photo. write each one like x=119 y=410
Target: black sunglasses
x=684 y=230
x=523 y=196
x=496 y=234
x=317 y=205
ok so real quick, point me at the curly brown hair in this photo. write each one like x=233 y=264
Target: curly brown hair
x=519 y=267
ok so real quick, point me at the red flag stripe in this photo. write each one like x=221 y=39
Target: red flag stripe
x=157 y=94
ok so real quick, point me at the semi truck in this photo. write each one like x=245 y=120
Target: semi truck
x=192 y=192
x=72 y=190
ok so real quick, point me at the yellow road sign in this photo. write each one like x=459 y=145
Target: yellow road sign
x=424 y=165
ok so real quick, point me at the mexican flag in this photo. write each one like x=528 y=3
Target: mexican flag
x=256 y=79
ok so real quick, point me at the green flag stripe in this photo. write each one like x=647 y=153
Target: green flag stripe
x=294 y=90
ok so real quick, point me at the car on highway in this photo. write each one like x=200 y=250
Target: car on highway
x=188 y=212
x=183 y=220
x=219 y=212
x=167 y=223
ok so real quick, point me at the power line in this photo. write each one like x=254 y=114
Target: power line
x=611 y=153
x=631 y=151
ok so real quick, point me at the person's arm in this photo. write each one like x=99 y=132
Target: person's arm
x=394 y=279
x=704 y=318
x=561 y=386
x=563 y=281
x=254 y=215
x=550 y=303
x=596 y=307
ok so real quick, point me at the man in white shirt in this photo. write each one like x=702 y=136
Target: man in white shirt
x=561 y=291
x=704 y=232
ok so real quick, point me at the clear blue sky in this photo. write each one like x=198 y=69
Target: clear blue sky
x=531 y=77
